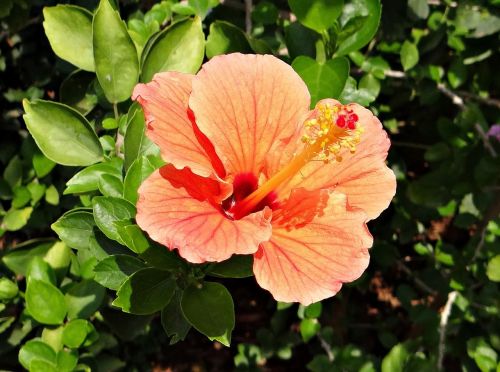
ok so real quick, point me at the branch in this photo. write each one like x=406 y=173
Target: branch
x=418 y=282
x=443 y=323
x=486 y=140
x=248 y=16
x=455 y=98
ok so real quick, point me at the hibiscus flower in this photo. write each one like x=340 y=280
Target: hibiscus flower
x=252 y=170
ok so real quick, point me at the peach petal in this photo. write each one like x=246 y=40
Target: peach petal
x=309 y=262
x=169 y=125
x=247 y=105
x=363 y=176
x=181 y=210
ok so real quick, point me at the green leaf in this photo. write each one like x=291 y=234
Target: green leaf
x=63 y=134
x=324 y=80
x=238 y=266
x=52 y=195
x=419 y=8
x=40 y=270
x=107 y=211
x=83 y=299
x=180 y=47
x=482 y=353
x=318 y=15
x=175 y=325
x=45 y=303
x=69 y=30
x=309 y=328
x=8 y=289
x=409 y=55
x=19 y=259
x=116 y=62
x=209 y=308
x=352 y=94
x=140 y=169
x=36 y=350
x=313 y=310
x=88 y=178
x=42 y=164
x=75 y=228
x=457 y=73
x=265 y=12
x=136 y=144
x=52 y=336
x=114 y=270
x=371 y=84
x=75 y=332
x=145 y=292
x=300 y=40
x=77 y=91
x=359 y=25
x=16 y=219
x=396 y=359
x=13 y=172
x=225 y=38
x=162 y=258
x=59 y=258
x=67 y=360
x=110 y=185
x=493 y=269
x=132 y=236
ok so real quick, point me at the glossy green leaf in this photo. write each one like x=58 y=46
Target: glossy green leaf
x=132 y=236
x=83 y=299
x=107 y=211
x=483 y=354
x=396 y=359
x=75 y=228
x=52 y=336
x=114 y=270
x=300 y=40
x=419 y=8
x=493 y=269
x=45 y=302
x=8 y=289
x=16 y=219
x=324 y=80
x=18 y=259
x=140 y=169
x=40 y=270
x=136 y=144
x=238 y=266
x=409 y=55
x=162 y=258
x=172 y=319
x=110 y=185
x=69 y=30
x=116 y=61
x=318 y=15
x=75 y=332
x=63 y=135
x=77 y=91
x=225 y=38
x=35 y=350
x=88 y=178
x=359 y=25
x=145 y=292
x=41 y=164
x=13 y=172
x=209 y=308
x=67 y=360
x=309 y=328
x=180 y=47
